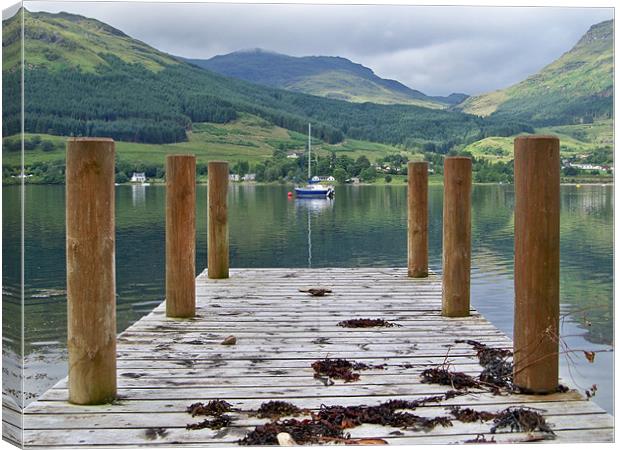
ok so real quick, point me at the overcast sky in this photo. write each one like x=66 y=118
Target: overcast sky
x=436 y=49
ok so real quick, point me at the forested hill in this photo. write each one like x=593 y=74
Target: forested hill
x=84 y=77
x=326 y=76
x=576 y=88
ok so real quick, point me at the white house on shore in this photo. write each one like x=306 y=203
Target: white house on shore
x=587 y=166
x=138 y=177
x=247 y=177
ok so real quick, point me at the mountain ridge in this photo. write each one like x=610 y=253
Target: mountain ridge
x=326 y=76
x=575 y=88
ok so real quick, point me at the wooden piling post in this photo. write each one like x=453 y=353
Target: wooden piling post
x=456 y=236
x=218 y=220
x=91 y=284
x=537 y=263
x=417 y=219
x=180 y=235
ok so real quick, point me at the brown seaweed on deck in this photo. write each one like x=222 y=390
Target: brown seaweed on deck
x=307 y=431
x=497 y=364
x=367 y=323
x=329 y=423
x=218 y=423
x=341 y=369
x=521 y=419
x=212 y=408
x=275 y=409
x=468 y=415
x=215 y=408
x=317 y=292
x=383 y=414
x=457 y=380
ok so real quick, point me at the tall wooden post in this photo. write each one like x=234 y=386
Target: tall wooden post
x=417 y=220
x=91 y=284
x=218 y=220
x=180 y=235
x=456 y=236
x=537 y=263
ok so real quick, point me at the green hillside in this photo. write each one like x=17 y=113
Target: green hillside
x=576 y=88
x=576 y=141
x=63 y=41
x=85 y=78
x=344 y=85
x=325 y=76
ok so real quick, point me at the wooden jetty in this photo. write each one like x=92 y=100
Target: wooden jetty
x=166 y=364
x=134 y=389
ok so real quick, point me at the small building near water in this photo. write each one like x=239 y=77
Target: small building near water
x=138 y=177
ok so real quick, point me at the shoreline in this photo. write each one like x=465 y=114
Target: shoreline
x=275 y=183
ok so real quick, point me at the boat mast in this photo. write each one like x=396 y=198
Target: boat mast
x=309 y=154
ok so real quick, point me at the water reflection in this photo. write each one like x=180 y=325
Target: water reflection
x=313 y=206
x=138 y=194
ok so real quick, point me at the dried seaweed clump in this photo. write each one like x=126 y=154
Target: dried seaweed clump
x=329 y=423
x=497 y=364
x=367 y=323
x=307 y=431
x=217 y=423
x=212 y=408
x=468 y=415
x=215 y=408
x=317 y=292
x=341 y=369
x=521 y=419
x=275 y=409
x=383 y=414
x=458 y=380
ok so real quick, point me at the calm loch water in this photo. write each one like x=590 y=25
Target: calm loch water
x=363 y=226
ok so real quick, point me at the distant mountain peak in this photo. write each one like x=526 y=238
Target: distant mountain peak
x=324 y=76
x=254 y=50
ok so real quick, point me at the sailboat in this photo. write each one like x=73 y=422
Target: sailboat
x=312 y=189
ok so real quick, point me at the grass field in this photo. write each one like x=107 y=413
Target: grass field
x=574 y=140
x=249 y=138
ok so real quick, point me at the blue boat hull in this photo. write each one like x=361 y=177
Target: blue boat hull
x=300 y=192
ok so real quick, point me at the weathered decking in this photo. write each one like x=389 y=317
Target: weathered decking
x=164 y=365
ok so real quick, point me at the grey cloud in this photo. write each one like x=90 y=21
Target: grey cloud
x=437 y=50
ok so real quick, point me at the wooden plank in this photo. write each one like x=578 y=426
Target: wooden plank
x=247 y=345
x=562 y=436
x=259 y=364
x=12 y=433
x=349 y=336
x=177 y=405
x=138 y=436
x=181 y=419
